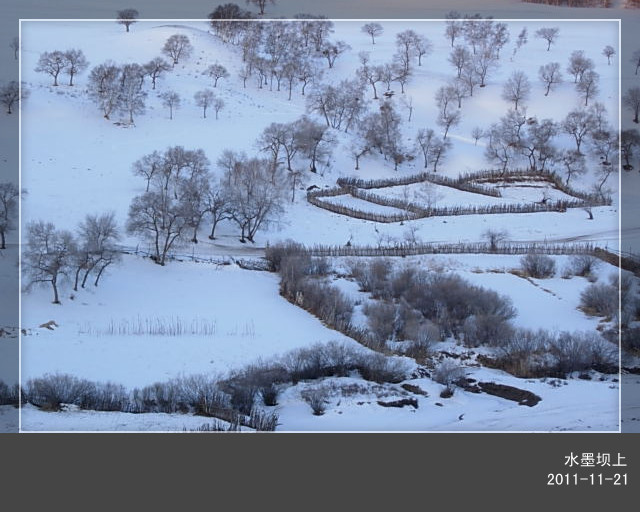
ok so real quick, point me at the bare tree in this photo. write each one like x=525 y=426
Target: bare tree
x=505 y=138
x=255 y=196
x=217 y=206
x=374 y=30
x=171 y=100
x=629 y=142
x=204 y=99
x=313 y=140
x=15 y=46
x=149 y=166
x=588 y=85
x=177 y=47
x=96 y=250
x=499 y=37
x=406 y=44
x=631 y=100
x=370 y=74
x=331 y=51
x=537 y=143
x=483 y=62
x=127 y=17
x=550 y=76
x=579 y=63
x=217 y=71
x=308 y=72
x=76 y=63
x=469 y=76
x=573 y=163
x=635 y=59
x=9 y=95
x=159 y=218
x=229 y=22
x=52 y=63
x=517 y=88
x=261 y=4
x=384 y=132
x=608 y=51
x=426 y=140
x=218 y=105
x=154 y=68
x=578 y=123
x=604 y=144
x=339 y=105
x=422 y=46
x=48 y=255
x=495 y=237
x=453 y=28
x=131 y=96
x=174 y=201
x=521 y=41
x=447 y=116
x=549 y=34
x=104 y=87
x=460 y=57
x=9 y=195
x=477 y=133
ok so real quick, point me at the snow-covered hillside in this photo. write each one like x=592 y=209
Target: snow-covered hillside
x=210 y=317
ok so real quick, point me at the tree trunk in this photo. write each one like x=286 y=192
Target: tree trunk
x=213 y=229
x=100 y=274
x=77 y=278
x=2 y=240
x=56 y=299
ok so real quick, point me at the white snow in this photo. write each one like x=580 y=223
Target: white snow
x=75 y=162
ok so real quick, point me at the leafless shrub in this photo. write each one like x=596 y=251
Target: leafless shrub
x=105 y=397
x=372 y=277
x=9 y=395
x=583 y=265
x=418 y=350
x=325 y=301
x=448 y=372
x=539 y=266
x=202 y=394
x=270 y=394
x=447 y=300
x=263 y=421
x=218 y=426
x=52 y=390
x=599 y=299
x=581 y=351
x=401 y=280
x=486 y=329
x=274 y=254
x=631 y=340
x=379 y=368
x=381 y=319
x=317 y=398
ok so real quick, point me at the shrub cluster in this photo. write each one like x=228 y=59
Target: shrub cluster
x=9 y=395
x=541 y=353
x=426 y=306
x=301 y=283
x=539 y=266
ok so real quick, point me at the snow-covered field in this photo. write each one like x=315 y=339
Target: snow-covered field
x=75 y=162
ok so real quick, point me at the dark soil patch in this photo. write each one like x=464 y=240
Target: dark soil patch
x=521 y=396
x=400 y=403
x=416 y=390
